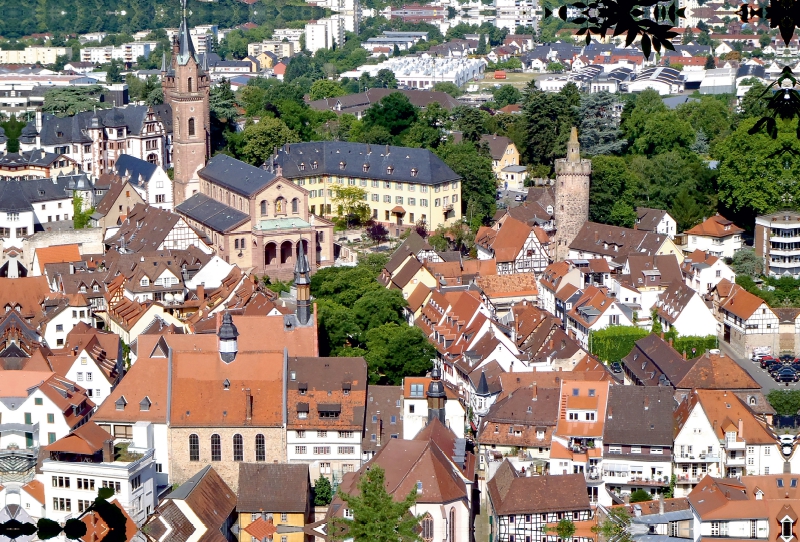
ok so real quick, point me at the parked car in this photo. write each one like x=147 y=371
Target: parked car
x=786 y=358
x=768 y=361
x=786 y=374
x=786 y=439
x=518 y=197
x=616 y=367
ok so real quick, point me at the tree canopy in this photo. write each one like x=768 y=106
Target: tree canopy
x=67 y=101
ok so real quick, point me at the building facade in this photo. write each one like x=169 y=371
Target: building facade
x=777 y=242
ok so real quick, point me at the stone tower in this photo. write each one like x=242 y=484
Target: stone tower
x=572 y=196
x=186 y=86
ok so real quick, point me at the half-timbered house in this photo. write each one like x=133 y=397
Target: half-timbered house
x=517 y=247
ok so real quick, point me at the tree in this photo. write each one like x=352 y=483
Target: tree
x=709 y=115
x=396 y=351
x=324 y=88
x=323 y=492
x=638 y=110
x=450 y=88
x=764 y=40
x=156 y=96
x=640 y=495
x=478 y=182
x=222 y=102
x=80 y=218
x=67 y=101
x=378 y=307
x=757 y=174
x=565 y=529
x=394 y=112
x=378 y=233
x=710 y=63
x=261 y=138
x=114 y=72
x=506 y=95
x=611 y=182
x=555 y=67
x=662 y=133
x=599 y=130
x=377 y=516
x=685 y=209
x=615 y=525
x=483 y=47
x=622 y=214
x=469 y=121
x=547 y=119
x=746 y=262
x=754 y=102
x=350 y=203
x=688 y=36
x=700 y=145
x=385 y=78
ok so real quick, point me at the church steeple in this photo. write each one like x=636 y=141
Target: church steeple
x=436 y=397
x=302 y=282
x=185 y=45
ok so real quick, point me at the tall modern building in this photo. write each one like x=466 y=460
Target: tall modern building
x=186 y=89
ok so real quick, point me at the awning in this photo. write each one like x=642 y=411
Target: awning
x=398 y=211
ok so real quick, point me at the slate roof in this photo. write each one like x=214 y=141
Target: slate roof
x=135 y=168
x=648 y=219
x=651 y=357
x=255 y=477
x=35 y=158
x=639 y=415
x=19 y=196
x=145 y=228
x=236 y=175
x=349 y=159
x=67 y=130
x=209 y=212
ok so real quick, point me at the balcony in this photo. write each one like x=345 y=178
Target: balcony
x=734 y=445
x=737 y=461
x=690 y=478
x=697 y=458
x=19 y=428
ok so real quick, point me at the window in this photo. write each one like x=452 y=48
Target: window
x=80 y=377
x=144 y=281
x=59 y=327
x=28 y=419
x=346 y=450
x=238 y=447
x=284 y=516
x=322 y=434
x=263 y=208
x=38 y=401
x=427 y=528
x=261 y=454
x=417 y=390
x=300 y=450
x=345 y=434
x=300 y=434
x=295 y=204
x=191 y=127
x=376 y=197
x=136 y=483
x=88 y=376
x=786 y=529
x=423 y=202
x=216 y=448
x=636 y=449
x=387 y=199
x=398 y=200
x=615 y=449
x=194 y=448
x=51 y=418
x=322 y=450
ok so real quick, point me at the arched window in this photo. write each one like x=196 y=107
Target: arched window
x=295 y=203
x=189 y=84
x=238 y=448
x=216 y=448
x=261 y=449
x=194 y=448
x=191 y=126
x=427 y=528
x=452 y=525
x=263 y=208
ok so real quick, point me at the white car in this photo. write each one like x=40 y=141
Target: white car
x=786 y=439
x=518 y=197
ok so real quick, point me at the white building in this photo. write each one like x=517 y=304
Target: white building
x=717 y=235
x=35 y=55
x=324 y=33
x=424 y=72
x=291 y=35
x=127 y=52
x=718 y=435
x=656 y=220
x=702 y=271
x=63 y=318
x=88 y=459
x=27 y=205
x=415 y=408
x=148 y=179
x=513 y=13
x=682 y=308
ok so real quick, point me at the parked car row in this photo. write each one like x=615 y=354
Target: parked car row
x=785 y=368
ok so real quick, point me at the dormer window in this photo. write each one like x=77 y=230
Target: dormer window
x=226 y=385
x=314 y=164
x=346 y=388
x=414 y=172
x=302 y=387
x=786 y=529
x=342 y=165
x=302 y=166
x=120 y=403
x=389 y=170
x=365 y=168
x=144 y=404
x=144 y=282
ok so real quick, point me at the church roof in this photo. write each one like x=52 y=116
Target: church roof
x=236 y=175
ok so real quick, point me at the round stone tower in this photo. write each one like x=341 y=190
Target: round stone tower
x=572 y=196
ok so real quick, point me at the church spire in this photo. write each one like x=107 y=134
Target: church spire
x=186 y=47
x=302 y=282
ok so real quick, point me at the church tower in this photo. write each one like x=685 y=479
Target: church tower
x=302 y=282
x=436 y=397
x=572 y=196
x=186 y=89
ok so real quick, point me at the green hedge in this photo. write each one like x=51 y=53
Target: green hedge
x=615 y=342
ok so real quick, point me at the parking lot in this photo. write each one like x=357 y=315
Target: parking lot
x=760 y=375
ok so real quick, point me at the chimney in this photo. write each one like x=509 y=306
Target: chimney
x=201 y=295
x=684 y=354
x=661 y=503
x=741 y=429
x=248 y=397
x=38 y=121
x=596 y=236
x=670 y=341
x=535 y=392
x=108 y=451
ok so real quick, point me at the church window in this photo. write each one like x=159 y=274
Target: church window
x=189 y=84
x=427 y=528
x=295 y=205
x=216 y=448
x=261 y=453
x=194 y=448
x=238 y=447
x=191 y=127
x=263 y=208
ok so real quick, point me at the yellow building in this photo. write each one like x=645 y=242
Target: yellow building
x=504 y=153
x=273 y=498
x=403 y=185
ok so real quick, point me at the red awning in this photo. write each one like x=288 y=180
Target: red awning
x=398 y=211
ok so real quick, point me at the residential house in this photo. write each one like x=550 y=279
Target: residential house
x=516 y=246
x=747 y=508
x=503 y=152
x=63 y=314
x=553 y=279
x=150 y=228
x=642 y=279
x=31 y=205
x=383 y=420
x=84 y=461
x=326 y=400
x=34 y=164
x=682 y=308
x=519 y=427
x=405 y=272
x=442 y=470
x=202 y=508
x=716 y=235
x=747 y=321
x=637 y=439
x=147 y=178
x=577 y=446
x=774 y=243
x=656 y=221
x=262 y=514
x=527 y=507
x=415 y=413
x=716 y=434
x=53 y=254
x=614 y=243
x=502 y=292
x=702 y=271
x=591 y=309
x=116 y=205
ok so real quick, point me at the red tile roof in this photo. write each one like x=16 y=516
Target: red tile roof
x=716 y=226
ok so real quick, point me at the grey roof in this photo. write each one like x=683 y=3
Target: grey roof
x=639 y=415
x=217 y=216
x=236 y=175
x=134 y=168
x=67 y=130
x=16 y=196
x=36 y=157
x=364 y=161
x=674 y=101
x=186 y=488
x=79 y=181
x=751 y=70
x=164 y=112
x=292 y=479
x=12 y=198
